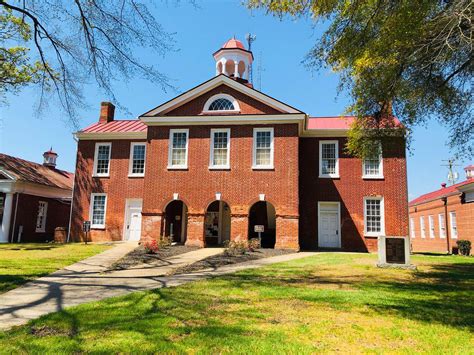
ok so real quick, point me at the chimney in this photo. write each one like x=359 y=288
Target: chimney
x=469 y=172
x=443 y=185
x=50 y=158
x=107 y=110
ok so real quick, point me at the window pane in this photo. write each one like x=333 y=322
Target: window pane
x=103 y=159
x=220 y=148
x=178 y=149
x=371 y=167
x=138 y=164
x=41 y=217
x=221 y=105
x=263 y=150
x=328 y=154
x=98 y=210
x=373 y=216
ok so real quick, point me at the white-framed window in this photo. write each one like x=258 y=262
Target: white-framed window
x=442 y=225
x=102 y=159
x=137 y=159
x=178 y=149
x=431 y=226
x=372 y=168
x=374 y=216
x=221 y=103
x=41 y=217
x=98 y=209
x=220 y=148
x=422 y=227
x=328 y=159
x=263 y=146
x=412 y=228
x=453 y=225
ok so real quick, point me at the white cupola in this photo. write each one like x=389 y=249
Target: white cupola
x=50 y=158
x=233 y=60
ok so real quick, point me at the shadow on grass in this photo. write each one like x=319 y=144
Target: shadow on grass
x=38 y=246
x=9 y=282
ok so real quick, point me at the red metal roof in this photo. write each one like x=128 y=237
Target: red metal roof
x=443 y=192
x=336 y=122
x=116 y=126
x=233 y=43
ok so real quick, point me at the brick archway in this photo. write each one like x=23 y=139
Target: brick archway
x=175 y=221
x=262 y=213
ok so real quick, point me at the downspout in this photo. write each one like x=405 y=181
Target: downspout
x=445 y=201
x=73 y=186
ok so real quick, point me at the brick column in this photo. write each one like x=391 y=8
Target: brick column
x=287 y=232
x=239 y=227
x=151 y=227
x=195 y=230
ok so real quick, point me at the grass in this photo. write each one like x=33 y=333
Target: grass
x=20 y=263
x=327 y=303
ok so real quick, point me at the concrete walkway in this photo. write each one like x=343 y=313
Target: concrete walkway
x=87 y=281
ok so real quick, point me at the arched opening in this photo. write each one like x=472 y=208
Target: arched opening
x=230 y=68
x=262 y=213
x=217 y=223
x=241 y=69
x=219 y=67
x=176 y=221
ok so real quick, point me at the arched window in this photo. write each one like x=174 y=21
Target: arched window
x=221 y=105
x=221 y=102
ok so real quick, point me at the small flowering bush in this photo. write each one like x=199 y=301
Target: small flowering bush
x=240 y=247
x=254 y=244
x=151 y=247
x=164 y=242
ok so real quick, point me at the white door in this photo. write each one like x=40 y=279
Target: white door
x=328 y=225
x=133 y=226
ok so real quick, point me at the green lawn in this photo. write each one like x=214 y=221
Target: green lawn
x=20 y=263
x=330 y=302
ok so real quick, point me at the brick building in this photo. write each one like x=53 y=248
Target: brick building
x=221 y=158
x=34 y=198
x=439 y=218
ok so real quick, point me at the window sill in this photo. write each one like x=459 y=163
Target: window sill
x=98 y=227
x=177 y=167
x=136 y=175
x=100 y=176
x=40 y=231
x=268 y=167
x=370 y=235
x=329 y=176
x=375 y=177
x=219 y=168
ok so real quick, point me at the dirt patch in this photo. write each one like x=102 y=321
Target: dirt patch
x=44 y=331
x=223 y=259
x=140 y=256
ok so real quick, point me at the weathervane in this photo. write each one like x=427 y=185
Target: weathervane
x=250 y=39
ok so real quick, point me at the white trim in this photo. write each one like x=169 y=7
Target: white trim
x=128 y=201
x=8 y=186
x=382 y=216
x=96 y=153
x=453 y=226
x=42 y=228
x=223 y=119
x=211 y=84
x=442 y=225
x=211 y=154
x=7 y=174
x=324 y=132
x=412 y=228
x=91 y=205
x=213 y=98
x=422 y=227
x=130 y=163
x=88 y=136
x=254 y=148
x=380 y=174
x=339 y=219
x=431 y=226
x=336 y=174
x=170 y=148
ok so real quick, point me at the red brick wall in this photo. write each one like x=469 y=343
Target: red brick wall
x=350 y=190
x=247 y=104
x=118 y=187
x=464 y=219
x=26 y=214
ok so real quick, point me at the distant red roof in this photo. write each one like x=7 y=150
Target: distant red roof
x=443 y=192
x=336 y=122
x=116 y=126
x=35 y=173
x=233 y=43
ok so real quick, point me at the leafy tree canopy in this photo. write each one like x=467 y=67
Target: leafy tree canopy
x=60 y=45
x=414 y=57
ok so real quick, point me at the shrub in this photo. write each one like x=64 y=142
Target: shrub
x=151 y=247
x=164 y=242
x=254 y=244
x=236 y=247
x=464 y=247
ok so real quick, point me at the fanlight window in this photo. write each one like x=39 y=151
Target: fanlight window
x=221 y=104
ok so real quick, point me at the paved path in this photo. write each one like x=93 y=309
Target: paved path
x=86 y=281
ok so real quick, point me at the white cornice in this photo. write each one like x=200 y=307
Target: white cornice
x=84 y=136
x=34 y=189
x=324 y=133
x=222 y=120
x=209 y=85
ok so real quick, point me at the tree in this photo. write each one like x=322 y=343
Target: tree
x=414 y=57
x=60 y=45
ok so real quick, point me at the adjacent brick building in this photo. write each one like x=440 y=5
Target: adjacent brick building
x=439 y=218
x=223 y=160
x=35 y=199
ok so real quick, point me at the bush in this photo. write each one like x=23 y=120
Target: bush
x=236 y=247
x=254 y=244
x=151 y=247
x=464 y=247
x=164 y=242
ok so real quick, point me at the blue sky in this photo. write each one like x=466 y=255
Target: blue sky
x=280 y=47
